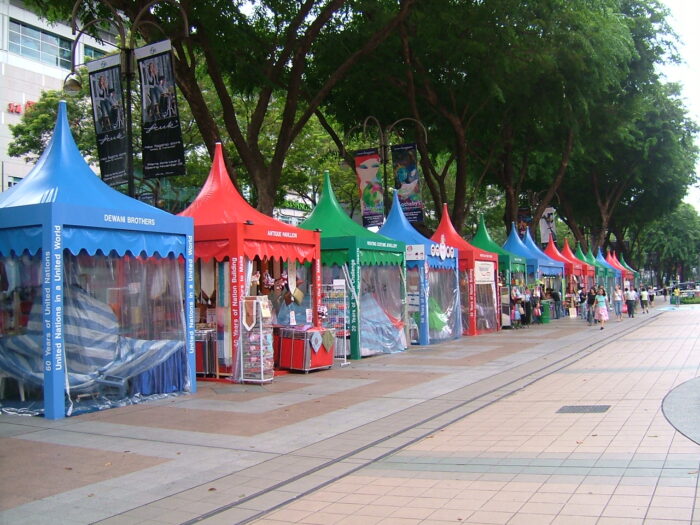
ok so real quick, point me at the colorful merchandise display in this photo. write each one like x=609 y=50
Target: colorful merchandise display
x=97 y=308
x=241 y=254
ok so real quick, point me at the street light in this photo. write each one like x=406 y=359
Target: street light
x=72 y=84
x=384 y=147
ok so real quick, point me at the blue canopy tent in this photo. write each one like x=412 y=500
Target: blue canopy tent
x=615 y=274
x=97 y=298
x=515 y=245
x=432 y=280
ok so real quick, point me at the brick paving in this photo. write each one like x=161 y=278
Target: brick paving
x=469 y=431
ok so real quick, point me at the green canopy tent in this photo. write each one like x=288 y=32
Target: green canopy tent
x=635 y=273
x=374 y=268
x=512 y=268
x=604 y=276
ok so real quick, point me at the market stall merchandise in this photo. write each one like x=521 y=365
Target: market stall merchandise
x=374 y=269
x=573 y=273
x=588 y=269
x=432 y=285
x=249 y=263
x=512 y=269
x=478 y=280
x=97 y=307
x=550 y=272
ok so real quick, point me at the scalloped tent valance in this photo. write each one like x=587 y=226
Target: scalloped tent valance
x=61 y=193
x=227 y=225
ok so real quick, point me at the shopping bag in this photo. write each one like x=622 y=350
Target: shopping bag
x=624 y=308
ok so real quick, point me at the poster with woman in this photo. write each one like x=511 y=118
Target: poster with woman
x=407 y=179
x=108 y=115
x=367 y=163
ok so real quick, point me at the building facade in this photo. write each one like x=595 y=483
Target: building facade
x=35 y=56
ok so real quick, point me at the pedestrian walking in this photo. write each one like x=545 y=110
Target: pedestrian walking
x=601 y=307
x=630 y=301
x=590 y=305
x=617 y=302
x=644 y=300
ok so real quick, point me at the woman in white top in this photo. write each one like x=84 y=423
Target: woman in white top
x=617 y=302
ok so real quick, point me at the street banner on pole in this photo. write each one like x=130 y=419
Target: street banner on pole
x=547 y=227
x=161 y=136
x=104 y=76
x=404 y=161
x=367 y=162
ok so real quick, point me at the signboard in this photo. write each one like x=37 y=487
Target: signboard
x=367 y=163
x=484 y=272
x=415 y=252
x=407 y=176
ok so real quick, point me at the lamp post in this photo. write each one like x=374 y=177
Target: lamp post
x=127 y=39
x=384 y=147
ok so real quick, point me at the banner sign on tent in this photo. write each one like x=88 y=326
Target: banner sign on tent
x=404 y=161
x=107 y=98
x=484 y=272
x=547 y=227
x=367 y=164
x=161 y=137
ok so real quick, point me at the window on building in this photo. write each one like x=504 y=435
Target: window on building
x=37 y=44
x=91 y=53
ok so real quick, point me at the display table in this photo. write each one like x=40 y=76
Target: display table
x=306 y=349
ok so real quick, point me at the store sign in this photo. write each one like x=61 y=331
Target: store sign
x=415 y=252
x=442 y=250
x=483 y=272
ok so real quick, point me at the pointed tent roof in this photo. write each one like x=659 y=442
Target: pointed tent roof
x=483 y=240
x=340 y=232
x=92 y=212
x=566 y=252
x=623 y=263
x=590 y=259
x=612 y=261
x=571 y=267
x=219 y=204
x=514 y=244
x=601 y=260
x=397 y=227
x=447 y=233
x=547 y=265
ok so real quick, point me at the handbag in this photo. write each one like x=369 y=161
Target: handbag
x=537 y=312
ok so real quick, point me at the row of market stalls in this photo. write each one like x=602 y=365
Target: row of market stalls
x=107 y=300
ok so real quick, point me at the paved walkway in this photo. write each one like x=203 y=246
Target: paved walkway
x=559 y=423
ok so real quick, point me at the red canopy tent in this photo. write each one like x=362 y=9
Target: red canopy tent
x=478 y=274
x=588 y=270
x=627 y=276
x=243 y=252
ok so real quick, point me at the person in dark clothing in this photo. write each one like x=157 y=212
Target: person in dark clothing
x=556 y=297
x=590 y=305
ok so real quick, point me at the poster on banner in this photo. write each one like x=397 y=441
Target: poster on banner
x=524 y=220
x=547 y=227
x=404 y=161
x=104 y=77
x=367 y=163
x=161 y=136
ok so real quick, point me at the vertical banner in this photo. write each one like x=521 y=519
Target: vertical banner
x=524 y=220
x=404 y=161
x=163 y=151
x=367 y=164
x=547 y=228
x=107 y=97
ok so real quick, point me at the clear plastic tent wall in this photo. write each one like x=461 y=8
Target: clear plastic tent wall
x=123 y=325
x=443 y=304
x=382 y=327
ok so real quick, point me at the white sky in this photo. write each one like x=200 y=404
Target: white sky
x=685 y=15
